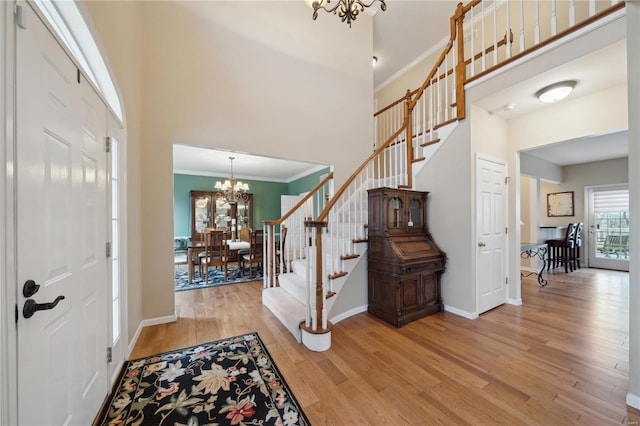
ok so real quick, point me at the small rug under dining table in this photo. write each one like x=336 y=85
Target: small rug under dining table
x=232 y=381
x=216 y=277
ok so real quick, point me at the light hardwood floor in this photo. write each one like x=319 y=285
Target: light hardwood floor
x=560 y=358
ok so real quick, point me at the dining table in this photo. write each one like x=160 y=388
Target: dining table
x=196 y=247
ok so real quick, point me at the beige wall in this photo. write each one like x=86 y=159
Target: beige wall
x=576 y=178
x=411 y=79
x=117 y=29
x=255 y=77
x=449 y=214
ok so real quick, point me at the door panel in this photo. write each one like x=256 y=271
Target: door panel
x=61 y=211
x=491 y=234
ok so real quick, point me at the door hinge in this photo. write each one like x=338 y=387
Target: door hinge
x=17 y=316
x=506 y=230
x=108 y=249
x=107 y=144
x=21 y=19
x=506 y=180
x=109 y=354
x=506 y=280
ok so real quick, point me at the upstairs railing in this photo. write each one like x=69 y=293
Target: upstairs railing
x=484 y=35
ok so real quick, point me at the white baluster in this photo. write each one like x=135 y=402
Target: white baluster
x=495 y=33
x=572 y=13
x=473 y=44
x=484 y=51
x=521 y=25
x=508 y=32
x=446 y=86
x=536 y=32
x=430 y=109
x=554 y=18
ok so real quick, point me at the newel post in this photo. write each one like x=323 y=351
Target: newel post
x=408 y=109
x=461 y=66
x=317 y=335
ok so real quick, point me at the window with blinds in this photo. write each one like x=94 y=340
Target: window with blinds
x=611 y=210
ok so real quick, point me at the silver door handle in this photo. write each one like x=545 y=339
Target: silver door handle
x=481 y=244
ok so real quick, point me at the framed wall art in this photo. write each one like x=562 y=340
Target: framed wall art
x=560 y=204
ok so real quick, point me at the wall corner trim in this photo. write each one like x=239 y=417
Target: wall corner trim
x=460 y=312
x=146 y=323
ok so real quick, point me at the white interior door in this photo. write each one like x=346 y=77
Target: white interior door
x=491 y=202
x=62 y=224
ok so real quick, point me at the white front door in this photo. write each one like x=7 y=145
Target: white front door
x=491 y=202
x=62 y=232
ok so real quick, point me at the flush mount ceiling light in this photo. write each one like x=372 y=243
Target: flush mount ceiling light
x=556 y=92
x=347 y=10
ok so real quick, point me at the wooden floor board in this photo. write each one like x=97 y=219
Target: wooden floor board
x=560 y=358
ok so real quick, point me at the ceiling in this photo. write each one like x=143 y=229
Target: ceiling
x=405 y=32
x=584 y=150
x=215 y=162
x=402 y=35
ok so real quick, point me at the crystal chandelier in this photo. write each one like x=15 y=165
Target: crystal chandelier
x=347 y=10
x=232 y=190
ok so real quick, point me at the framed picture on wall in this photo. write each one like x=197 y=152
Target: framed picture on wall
x=560 y=204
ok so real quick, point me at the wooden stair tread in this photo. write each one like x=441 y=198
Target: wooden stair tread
x=330 y=294
x=349 y=256
x=337 y=275
x=434 y=141
x=417 y=160
x=363 y=240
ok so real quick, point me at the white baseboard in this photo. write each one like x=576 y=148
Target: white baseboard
x=349 y=313
x=460 y=312
x=633 y=400
x=515 y=302
x=147 y=323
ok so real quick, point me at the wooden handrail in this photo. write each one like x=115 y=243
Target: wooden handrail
x=301 y=202
x=374 y=154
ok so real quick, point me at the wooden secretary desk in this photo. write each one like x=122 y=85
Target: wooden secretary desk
x=405 y=264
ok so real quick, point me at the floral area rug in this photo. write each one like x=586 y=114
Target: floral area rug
x=216 y=277
x=232 y=381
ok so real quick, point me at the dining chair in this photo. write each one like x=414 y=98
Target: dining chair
x=245 y=234
x=255 y=251
x=561 y=251
x=215 y=253
x=577 y=243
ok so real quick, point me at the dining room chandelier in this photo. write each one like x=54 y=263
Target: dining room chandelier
x=347 y=10
x=231 y=189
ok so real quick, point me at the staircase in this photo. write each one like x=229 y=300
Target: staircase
x=305 y=276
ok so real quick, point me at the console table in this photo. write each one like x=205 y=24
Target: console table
x=531 y=250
